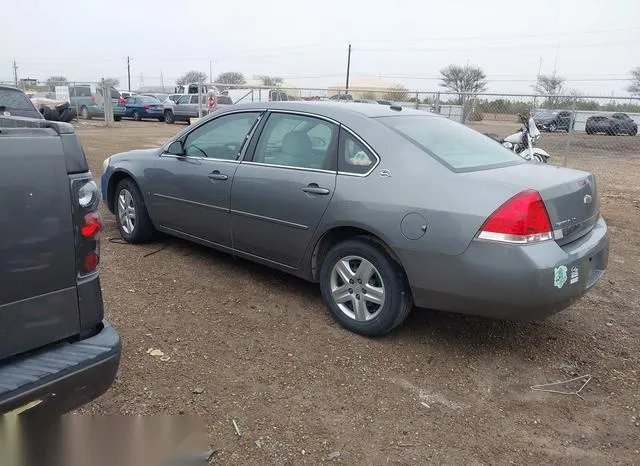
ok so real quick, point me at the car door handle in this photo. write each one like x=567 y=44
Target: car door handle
x=216 y=175
x=313 y=188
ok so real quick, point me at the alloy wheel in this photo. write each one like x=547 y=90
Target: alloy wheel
x=357 y=288
x=126 y=211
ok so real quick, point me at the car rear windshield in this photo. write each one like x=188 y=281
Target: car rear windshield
x=458 y=147
x=14 y=100
x=149 y=100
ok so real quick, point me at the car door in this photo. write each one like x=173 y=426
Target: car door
x=189 y=193
x=181 y=108
x=283 y=187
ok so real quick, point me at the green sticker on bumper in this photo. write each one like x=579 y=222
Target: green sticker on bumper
x=560 y=276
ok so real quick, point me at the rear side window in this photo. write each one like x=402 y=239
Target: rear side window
x=14 y=100
x=458 y=147
x=82 y=91
x=353 y=156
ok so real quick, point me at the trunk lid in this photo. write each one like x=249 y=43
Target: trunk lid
x=570 y=196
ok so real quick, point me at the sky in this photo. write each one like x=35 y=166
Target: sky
x=593 y=44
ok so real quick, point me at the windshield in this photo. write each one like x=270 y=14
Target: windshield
x=460 y=148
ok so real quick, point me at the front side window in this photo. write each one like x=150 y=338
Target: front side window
x=184 y=99
x=297 y=141
x=353 y=156
x=458 y=147
x=220 y=138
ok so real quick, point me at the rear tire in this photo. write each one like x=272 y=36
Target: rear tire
x=377 y=304
x=84 y=113
x=169 y=118
x=117 y=118
x=553 y=128
x=633 y=132
x=136 y=228
x=136 y=116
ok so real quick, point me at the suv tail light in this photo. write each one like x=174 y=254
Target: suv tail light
x=121 y=100
x=523 y=219
x=88 y=223
x=147 y=107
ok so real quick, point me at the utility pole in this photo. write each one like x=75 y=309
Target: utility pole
x=15 y=73
x=128 y=74
x=210 y=74
x=346 y=87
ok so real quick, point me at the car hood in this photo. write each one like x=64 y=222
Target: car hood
x=135 y=154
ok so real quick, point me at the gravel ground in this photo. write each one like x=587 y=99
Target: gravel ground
x=251 y=344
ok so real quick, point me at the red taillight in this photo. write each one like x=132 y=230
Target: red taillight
x=147 y=107
x=121 y=100
x=91 y=262
x=522 y=219
x=91 y=226
x=93 y=99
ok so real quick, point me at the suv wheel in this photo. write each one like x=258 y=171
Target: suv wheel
x=633 y=131
x=364 y=288
x=168 y=117
x=136 y=116
x=84 y=112
x=132 y=217
x=553 y=127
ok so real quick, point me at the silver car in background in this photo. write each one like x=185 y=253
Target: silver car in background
x=385 y=207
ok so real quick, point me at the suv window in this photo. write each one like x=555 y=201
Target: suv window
x=297 y=141
x=353 y=156
x=458 y=147
x=222 y=137
x=184 y=99
x=81 y=91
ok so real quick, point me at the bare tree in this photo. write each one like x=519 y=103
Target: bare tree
x=634 y=87
x=397 y=92
x=54 y=81
x=112 y=82
x=192 y=76
x=231 y=77
x=369 y=95
x=466 y=81
x=270 y=81
x=551 y=86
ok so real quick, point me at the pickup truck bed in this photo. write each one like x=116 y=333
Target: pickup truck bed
x=56 y=353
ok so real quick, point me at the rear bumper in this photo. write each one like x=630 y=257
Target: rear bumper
x=514 y=282
x=61 y=378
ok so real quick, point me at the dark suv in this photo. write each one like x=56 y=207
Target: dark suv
x=56 y=352
x=554 y=120
x=614 y=124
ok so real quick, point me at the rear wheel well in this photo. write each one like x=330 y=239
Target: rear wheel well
x=339 y=234
x=116 y=178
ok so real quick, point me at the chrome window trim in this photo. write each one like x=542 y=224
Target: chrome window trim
x=315 y=170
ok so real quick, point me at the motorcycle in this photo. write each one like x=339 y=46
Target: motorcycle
x=522 y=142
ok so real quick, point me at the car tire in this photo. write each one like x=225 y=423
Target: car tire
x=84 y=113
x=169 y=118
x=117 y=118
x=633 y=132
x=357 y=310
x=136 y=116
x=553 y=127
x=127 y=200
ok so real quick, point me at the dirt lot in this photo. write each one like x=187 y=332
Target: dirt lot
x=442 y=388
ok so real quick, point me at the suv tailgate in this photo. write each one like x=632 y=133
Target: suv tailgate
x=38 y=295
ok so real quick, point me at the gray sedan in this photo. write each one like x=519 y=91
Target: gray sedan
x=385 y=207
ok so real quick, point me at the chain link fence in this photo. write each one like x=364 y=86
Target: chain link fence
x=571 y=125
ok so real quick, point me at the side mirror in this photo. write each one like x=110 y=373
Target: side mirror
x=176 y=148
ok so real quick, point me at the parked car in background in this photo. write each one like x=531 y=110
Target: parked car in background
x=56 y=351
x=617 y=123
x=89 y=100
x=127 y=94
x=160 y=96
x=341 y=97
x=385 y=102
x=365 y=199
x=14 y=102
x=141 y=107
x=554 y=120
x=185 y=108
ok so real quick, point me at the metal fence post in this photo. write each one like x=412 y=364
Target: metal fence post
x=570 y=136
x=106 y=103
x=199 y=100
